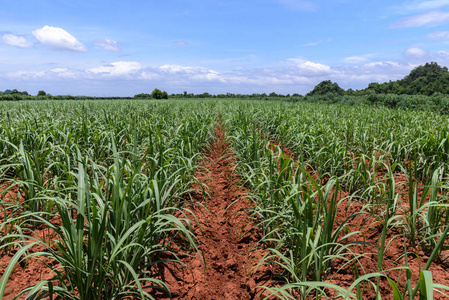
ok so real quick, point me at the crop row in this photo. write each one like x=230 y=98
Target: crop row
x=105 y=181
x=345 y=161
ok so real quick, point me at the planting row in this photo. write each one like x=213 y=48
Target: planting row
x=352 y=212
x=92 y=189
x=351 y=200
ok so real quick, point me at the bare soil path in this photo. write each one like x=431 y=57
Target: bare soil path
x=226 y=237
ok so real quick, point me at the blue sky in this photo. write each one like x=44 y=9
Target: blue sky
x=121 y=48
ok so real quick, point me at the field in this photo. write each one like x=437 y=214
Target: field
x=222 y=199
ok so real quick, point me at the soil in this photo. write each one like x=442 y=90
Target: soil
x=26 y=273
x=227 y=238
x=30 y=272
x=369 y=231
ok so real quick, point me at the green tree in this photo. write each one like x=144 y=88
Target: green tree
x=326 y=87
x=41 y=93
x=423 y=80
x=142 y=95
x=158 y=94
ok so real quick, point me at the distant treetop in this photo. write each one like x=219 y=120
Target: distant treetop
x=423 y=80
x=326 y=87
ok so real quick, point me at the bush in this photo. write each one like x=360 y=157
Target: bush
x=142 y=96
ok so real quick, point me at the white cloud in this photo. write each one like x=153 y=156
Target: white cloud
x=309 y=68
x=415 y=53
x=58 y=38
x=432 y=18
x=59 y=70
x=380 y=71
x=177 y=69
x=209 y=75
x=300 y=5
x=443 y=55
x=356 y=59
x=119 y=68
x=64 y=73
x=15 y=40
x=439 y=35
x=53 y=74
x=27 y=75
x=187 y=73
x=149 y=75
x=381 y=65
x=108 y=45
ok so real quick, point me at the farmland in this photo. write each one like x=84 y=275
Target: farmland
x=126 y=198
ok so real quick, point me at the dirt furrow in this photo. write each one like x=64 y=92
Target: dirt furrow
x=226 y=237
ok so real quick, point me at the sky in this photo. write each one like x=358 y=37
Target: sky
x=122 y=48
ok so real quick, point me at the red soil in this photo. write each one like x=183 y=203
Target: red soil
x=26 y=273
x=370 y=231
x=30 y=272
x=227 y=239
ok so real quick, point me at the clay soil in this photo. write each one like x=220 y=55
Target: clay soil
x=397 y=243
x=26 y=273
x=227 y=239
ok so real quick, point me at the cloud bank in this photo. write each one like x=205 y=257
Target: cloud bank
x=295 y=75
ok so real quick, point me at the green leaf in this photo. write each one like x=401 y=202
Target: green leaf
x=425 y=285
x=396 y=293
